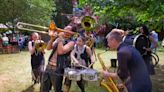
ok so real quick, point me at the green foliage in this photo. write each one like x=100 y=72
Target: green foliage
x=63 y=6
x=130 y=12
x=31 y=11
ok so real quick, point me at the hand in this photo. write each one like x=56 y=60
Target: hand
x=120 y=86
x=61 y=35
x=52 y=34
x=106 y=73
x=76 y=63
x=91 y=64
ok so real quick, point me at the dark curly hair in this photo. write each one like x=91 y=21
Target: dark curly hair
x=145 y=30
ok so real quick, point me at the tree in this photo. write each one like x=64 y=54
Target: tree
x=63 y=6
x=136 y=11
x=31 y=11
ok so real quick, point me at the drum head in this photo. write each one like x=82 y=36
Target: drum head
x=140 y=43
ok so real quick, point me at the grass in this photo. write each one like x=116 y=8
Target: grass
x=15 y=73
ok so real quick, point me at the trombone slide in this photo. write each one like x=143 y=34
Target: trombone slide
x=20 y=26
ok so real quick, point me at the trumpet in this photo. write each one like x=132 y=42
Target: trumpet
x=40 y=45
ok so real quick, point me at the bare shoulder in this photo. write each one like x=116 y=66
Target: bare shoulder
x=71 y=43
x=87 y=47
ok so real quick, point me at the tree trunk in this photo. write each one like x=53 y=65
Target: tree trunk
x=62 y=6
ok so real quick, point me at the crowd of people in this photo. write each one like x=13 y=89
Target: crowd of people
x=134 y=69
x=16 y=40
x=67 y=50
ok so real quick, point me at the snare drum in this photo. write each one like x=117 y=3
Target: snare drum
x=72 y=74
x=89 y=75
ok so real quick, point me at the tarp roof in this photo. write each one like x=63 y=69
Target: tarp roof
x=2 y=26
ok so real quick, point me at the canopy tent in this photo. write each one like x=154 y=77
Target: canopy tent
x=2 y=26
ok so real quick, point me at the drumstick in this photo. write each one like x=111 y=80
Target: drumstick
x=83 y=66
x=80 y=65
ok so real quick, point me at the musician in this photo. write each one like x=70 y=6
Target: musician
x=79 y=55
x=154 y=44
x=37 y=58
x=59 y=59
x=131 y=67
x=91 y=42
x=147 y=57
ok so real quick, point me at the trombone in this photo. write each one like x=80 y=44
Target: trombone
x=22 y=26
x=41 y=29
x=37 y=28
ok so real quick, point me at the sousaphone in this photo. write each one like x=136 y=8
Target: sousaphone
x=88 y=23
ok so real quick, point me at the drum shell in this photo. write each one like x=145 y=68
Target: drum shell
x=72 y=74
x=140 y=42
x=90 y=75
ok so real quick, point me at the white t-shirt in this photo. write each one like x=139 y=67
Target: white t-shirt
x=5 y=39
x=163 y=42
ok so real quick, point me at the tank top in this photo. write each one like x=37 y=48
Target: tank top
x=37 y=58
x=64 y=60
x=81 y=55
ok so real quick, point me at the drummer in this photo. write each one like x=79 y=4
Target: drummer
x=79 y=55
x=148 y=57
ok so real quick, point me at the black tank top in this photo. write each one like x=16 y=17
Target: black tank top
x=64 y=60
x=83 y=55
x=37 y=58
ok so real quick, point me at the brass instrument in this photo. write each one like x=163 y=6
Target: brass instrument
x=88 y=23
x=108 y=83
x=40 y=45
x=31 y=27
x=90 y=42
x=37 y=28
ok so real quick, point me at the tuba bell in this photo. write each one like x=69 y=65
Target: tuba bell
x=88 y=23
